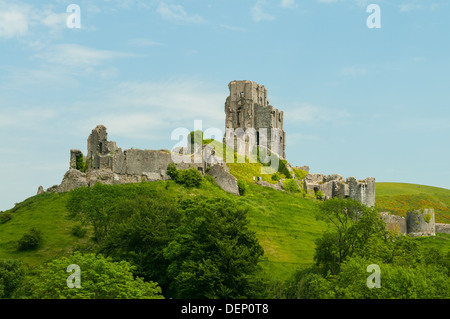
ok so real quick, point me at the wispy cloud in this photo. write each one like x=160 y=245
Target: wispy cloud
x=409 y=7
x=258 y=14
x=314 y=114
x=142 y=42
x=74 y=55
x=148 y=109
x=353 y=71
x=288 y=4
x=176 y=13
x=14 y=20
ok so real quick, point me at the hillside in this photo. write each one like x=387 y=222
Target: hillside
x=283 y=222
x=399 y=198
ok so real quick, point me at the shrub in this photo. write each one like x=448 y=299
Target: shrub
x=4 y=217
x=30 y=240
x=242 y=187
x=81 y=164
x=276 y=176
x=79 y=231
x=189 y=177
x=320 y=195
x=290 y=185
x=172 y=171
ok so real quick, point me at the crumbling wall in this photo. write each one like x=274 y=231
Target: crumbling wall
x=108 y=164
x=394 y=223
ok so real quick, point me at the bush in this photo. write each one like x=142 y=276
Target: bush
x=81 y=165
x=276 y=176
x=290 y=185
x=320 y=195
x=189 y=177
x=79 y=231
x=4 y=217
x=242 y=187
x=30 y=240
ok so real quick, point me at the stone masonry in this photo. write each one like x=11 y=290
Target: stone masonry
x=252 y=120
x=108 y=164
x=335 y=186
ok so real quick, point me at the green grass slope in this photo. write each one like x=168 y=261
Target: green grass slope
x=283 y=222
x=47 y=213
x=399 y=198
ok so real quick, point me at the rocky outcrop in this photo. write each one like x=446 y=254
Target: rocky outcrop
x=224 y=179
x=72 y=179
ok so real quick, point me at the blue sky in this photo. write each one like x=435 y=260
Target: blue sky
x=358 y=102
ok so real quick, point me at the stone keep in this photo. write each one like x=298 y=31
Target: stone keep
x=248 y=108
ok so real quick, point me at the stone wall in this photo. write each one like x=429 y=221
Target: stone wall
x=108 y=164
x=335 y=186
x=394 y=223
x=443 y=228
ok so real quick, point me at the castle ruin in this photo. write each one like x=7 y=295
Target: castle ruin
x=251 y=121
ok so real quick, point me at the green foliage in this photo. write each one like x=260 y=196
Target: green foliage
x=79 y=231
x=200 y=248
x=299 y=174
x=427 y=218
x=291 y=185
x=101 y=278
x=5 y=216
x=352 y=225
x=319 y=195
x=213 y=254
x=282 y=168
x=276 y=177
x=189 y=177
x=81 y=164
x=196 y=137
x=242 y=185
x=30 y=240
x=12 y=273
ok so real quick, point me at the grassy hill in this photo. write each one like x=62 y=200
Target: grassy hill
x=284 y=222
x=399 y=198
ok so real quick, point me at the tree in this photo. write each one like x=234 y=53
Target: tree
x=12 y=273
x=352 y=225
x=213 y=253
x=101 y=278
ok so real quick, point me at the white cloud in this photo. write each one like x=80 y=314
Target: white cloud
x=288 y=4
x=55 y=20
x=74 y=55
x=353 y=71
x=142 y=42
x=14 y=20
x=313 y=114
x=152 y=109
x=177 y=13
x=409 y=7
x=328 y=1
x=258 y=14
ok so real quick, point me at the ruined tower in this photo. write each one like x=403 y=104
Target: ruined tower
x=247 y=108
